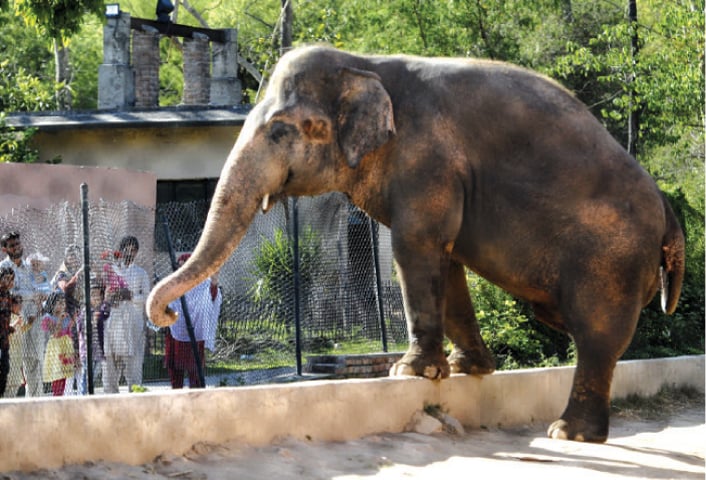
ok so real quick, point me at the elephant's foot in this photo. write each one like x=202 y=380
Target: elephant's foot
x=585 y=419
x=471 y=362
x=421 y=364
x=587 y=415
x=577 y=430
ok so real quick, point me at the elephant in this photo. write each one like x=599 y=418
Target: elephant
x=472 y=164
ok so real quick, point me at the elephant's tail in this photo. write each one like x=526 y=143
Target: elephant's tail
x=672 y=268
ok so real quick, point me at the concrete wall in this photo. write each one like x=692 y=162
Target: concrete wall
x=168 y=153
x=41 y=185
x=135 y=428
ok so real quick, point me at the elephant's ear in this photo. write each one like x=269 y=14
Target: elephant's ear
x=365 y=118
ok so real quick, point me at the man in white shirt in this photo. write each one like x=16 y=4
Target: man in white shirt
x=35 y=338
x=204 y=305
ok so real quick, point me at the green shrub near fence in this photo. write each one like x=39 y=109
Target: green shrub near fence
x=272 y=273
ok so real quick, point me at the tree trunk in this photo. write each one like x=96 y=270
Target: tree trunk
x=62 y=75
x=286 y=27
x=634 y=120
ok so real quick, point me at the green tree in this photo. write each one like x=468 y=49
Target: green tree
x=24 y=67
x=86 y=57
x=666 y=78
x=60 y=19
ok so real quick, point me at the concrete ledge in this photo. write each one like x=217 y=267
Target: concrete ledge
x=135 y=428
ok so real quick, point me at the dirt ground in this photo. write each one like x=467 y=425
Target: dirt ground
x=670 y=444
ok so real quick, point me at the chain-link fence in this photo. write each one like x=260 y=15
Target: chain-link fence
x=348 y=298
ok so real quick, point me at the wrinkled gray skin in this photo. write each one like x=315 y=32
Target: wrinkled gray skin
x=470 y=163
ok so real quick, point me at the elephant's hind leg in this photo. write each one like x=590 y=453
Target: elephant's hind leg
x=469 y=355
x=586 y=417
x=601 y=333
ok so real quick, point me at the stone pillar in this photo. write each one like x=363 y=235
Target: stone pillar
x=197 y=70
x=145 y=53
x=226 y=89
x=116 y=86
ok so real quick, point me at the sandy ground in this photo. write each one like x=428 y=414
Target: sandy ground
x=672 y=447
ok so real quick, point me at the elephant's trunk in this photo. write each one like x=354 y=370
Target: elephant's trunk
x=239 y=193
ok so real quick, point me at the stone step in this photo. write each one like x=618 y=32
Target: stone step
x=352 y=366
x=323 y=368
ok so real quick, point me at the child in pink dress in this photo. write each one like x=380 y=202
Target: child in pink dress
x=59 y=357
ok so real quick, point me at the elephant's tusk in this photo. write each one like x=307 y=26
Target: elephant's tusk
x=265 y=202
x=664 y=286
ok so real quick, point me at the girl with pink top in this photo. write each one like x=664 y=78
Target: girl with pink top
x=59 y=357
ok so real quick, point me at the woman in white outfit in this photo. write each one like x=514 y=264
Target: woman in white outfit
x=125 y=329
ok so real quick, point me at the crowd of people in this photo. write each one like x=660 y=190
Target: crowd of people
x=43 y=324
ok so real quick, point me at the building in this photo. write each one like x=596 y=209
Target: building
x=184 y=147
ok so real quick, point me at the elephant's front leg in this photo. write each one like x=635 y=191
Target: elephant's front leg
x=423 y=276
x=470 y=354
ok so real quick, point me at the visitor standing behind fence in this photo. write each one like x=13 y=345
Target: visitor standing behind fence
x=100 y=311
x=7 y=282
x=60 y=357
x=204 y=305
x=15 y=378
x=35 y=337
x=118 y=332
x=69 y=280
x=125 y=331
x=38 y=274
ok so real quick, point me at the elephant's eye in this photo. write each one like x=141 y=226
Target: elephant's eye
x=278 y=130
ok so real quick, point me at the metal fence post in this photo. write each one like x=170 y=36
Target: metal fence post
x=378 y=281
x=88 y=317
x=295 y=267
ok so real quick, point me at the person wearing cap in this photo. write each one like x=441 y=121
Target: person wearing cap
x=38 y=273
x=204 y=305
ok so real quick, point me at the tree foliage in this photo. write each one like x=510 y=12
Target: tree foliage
x=509 y=330
x=25 y=67
x=59 y=18
x=15 y=145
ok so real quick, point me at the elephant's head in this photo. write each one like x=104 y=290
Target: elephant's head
x=323 y=112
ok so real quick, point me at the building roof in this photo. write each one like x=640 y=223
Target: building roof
x=173 y=117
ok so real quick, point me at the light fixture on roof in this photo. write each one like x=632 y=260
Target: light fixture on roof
x=112 y=10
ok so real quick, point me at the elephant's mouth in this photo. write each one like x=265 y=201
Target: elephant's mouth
x=269 y=200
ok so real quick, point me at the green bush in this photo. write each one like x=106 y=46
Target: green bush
x=509 y=330
x=660 y=335
x=15 y=145
x=273 y=271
